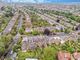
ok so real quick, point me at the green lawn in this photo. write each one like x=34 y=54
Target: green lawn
x=37 y=21
x=47 y=53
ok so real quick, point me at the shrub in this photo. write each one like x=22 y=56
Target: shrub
x=21 y=31
x=34 y=32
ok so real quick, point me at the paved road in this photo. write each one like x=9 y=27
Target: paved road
x=10 y=24
x=20 y=22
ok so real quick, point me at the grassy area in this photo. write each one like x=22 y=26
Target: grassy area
x=37 y=21
x=47 y=53
x=4 y=21
x=6 y=17
x=33 y=33
x=4 y=43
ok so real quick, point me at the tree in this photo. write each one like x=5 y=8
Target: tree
x=46 y=32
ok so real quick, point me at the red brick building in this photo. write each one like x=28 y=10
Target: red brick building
x=64 y=56
x=76 y=56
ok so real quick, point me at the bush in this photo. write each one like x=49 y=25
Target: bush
x=21 y=31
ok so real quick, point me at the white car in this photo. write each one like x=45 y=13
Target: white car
x=31 y=59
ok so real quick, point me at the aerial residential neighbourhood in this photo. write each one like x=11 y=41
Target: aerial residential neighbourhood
x=39 y=30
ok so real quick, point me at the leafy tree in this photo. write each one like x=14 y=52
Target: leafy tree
x=46 y=32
